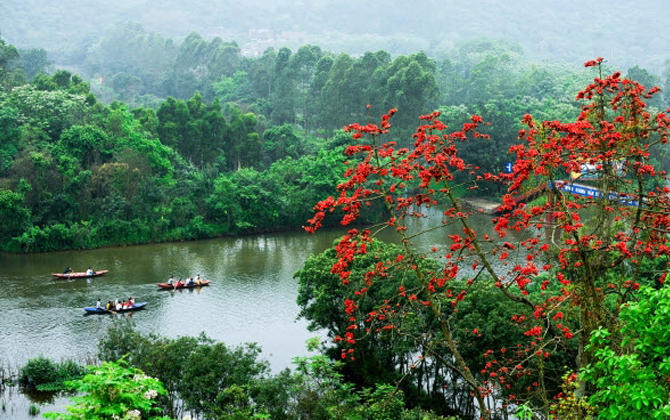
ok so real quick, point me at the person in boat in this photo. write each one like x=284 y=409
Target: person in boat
x=118 y=305
x=190 y=281
x=198 y=280
x=109 y=305
x=90 y=272
x=67 y=270
x=131 y=302
x=98 y=305
x=171 y=280
x=124 y=305
x=180 y=283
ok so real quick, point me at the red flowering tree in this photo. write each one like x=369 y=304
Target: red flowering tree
x=586 y=255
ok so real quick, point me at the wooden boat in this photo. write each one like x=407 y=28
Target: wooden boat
x=136 y=306
x=79 y=274
x=183 y=286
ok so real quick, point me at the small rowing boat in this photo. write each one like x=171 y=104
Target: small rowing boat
x=138 y=305
x=79 y=274
x=183 y=285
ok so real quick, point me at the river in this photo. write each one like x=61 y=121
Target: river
x=252 y=297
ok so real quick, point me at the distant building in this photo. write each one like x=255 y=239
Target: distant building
x=256 y=48
x=260 y=34
x=293 y=35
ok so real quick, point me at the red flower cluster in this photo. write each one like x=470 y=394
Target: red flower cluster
x=614 y=135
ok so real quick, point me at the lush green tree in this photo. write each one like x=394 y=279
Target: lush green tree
x=648 y=80
x=9 y=134
x=15 y=215
x=245 y=145
x=47 y=113
x=261 y=74
x=235 y=88
x=198 y=131
x=132 y=61
x=303 y=66
x=282 y=141
x=321 y=73
x=34 y=61
x=337 y=93
x=587 y=271
x=246 y=201
x=43 y=374
x=89 y=144
x=411 y=86
x=284 y=99
x=113 y=390
x=202 y=376
x=8 y=54
x=630 y=376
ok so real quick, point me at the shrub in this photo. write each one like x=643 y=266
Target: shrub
x=33 y=410
x=43 y=374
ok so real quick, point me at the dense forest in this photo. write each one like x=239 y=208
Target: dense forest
x=146 y=138
x=563 y=315
x=189 y=140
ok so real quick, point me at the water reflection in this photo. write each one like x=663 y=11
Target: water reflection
x=251 y=298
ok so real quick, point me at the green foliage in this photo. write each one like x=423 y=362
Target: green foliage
x=319 y=391
x=14 y=214
x=384 y=358
x=630 y=372
x=33 y=409
x=196 y=130
x=381 y=358
x=42 y=374
x=49 y=111
x=88 y=143
x=232 y=89
x=113 y=390
x=199 y=375
x=34 y=61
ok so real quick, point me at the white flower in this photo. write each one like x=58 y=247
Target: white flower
x=133 y=414
x=150 y=394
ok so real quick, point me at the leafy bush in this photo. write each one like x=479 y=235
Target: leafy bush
x=630 y=373
x=33 y=410
x=43 y=374
x=113 y=390
x=38 y=372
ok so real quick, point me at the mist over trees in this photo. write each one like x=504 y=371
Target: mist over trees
x=624 y=32
x=160 y=139
x=143 y=122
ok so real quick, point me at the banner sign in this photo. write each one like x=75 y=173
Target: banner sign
x=584 y=191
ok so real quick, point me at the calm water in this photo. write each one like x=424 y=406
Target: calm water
x=251 y=298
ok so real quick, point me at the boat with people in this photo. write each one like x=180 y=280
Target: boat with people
x=102 y=310
x=172 y=286
x=79 y=274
